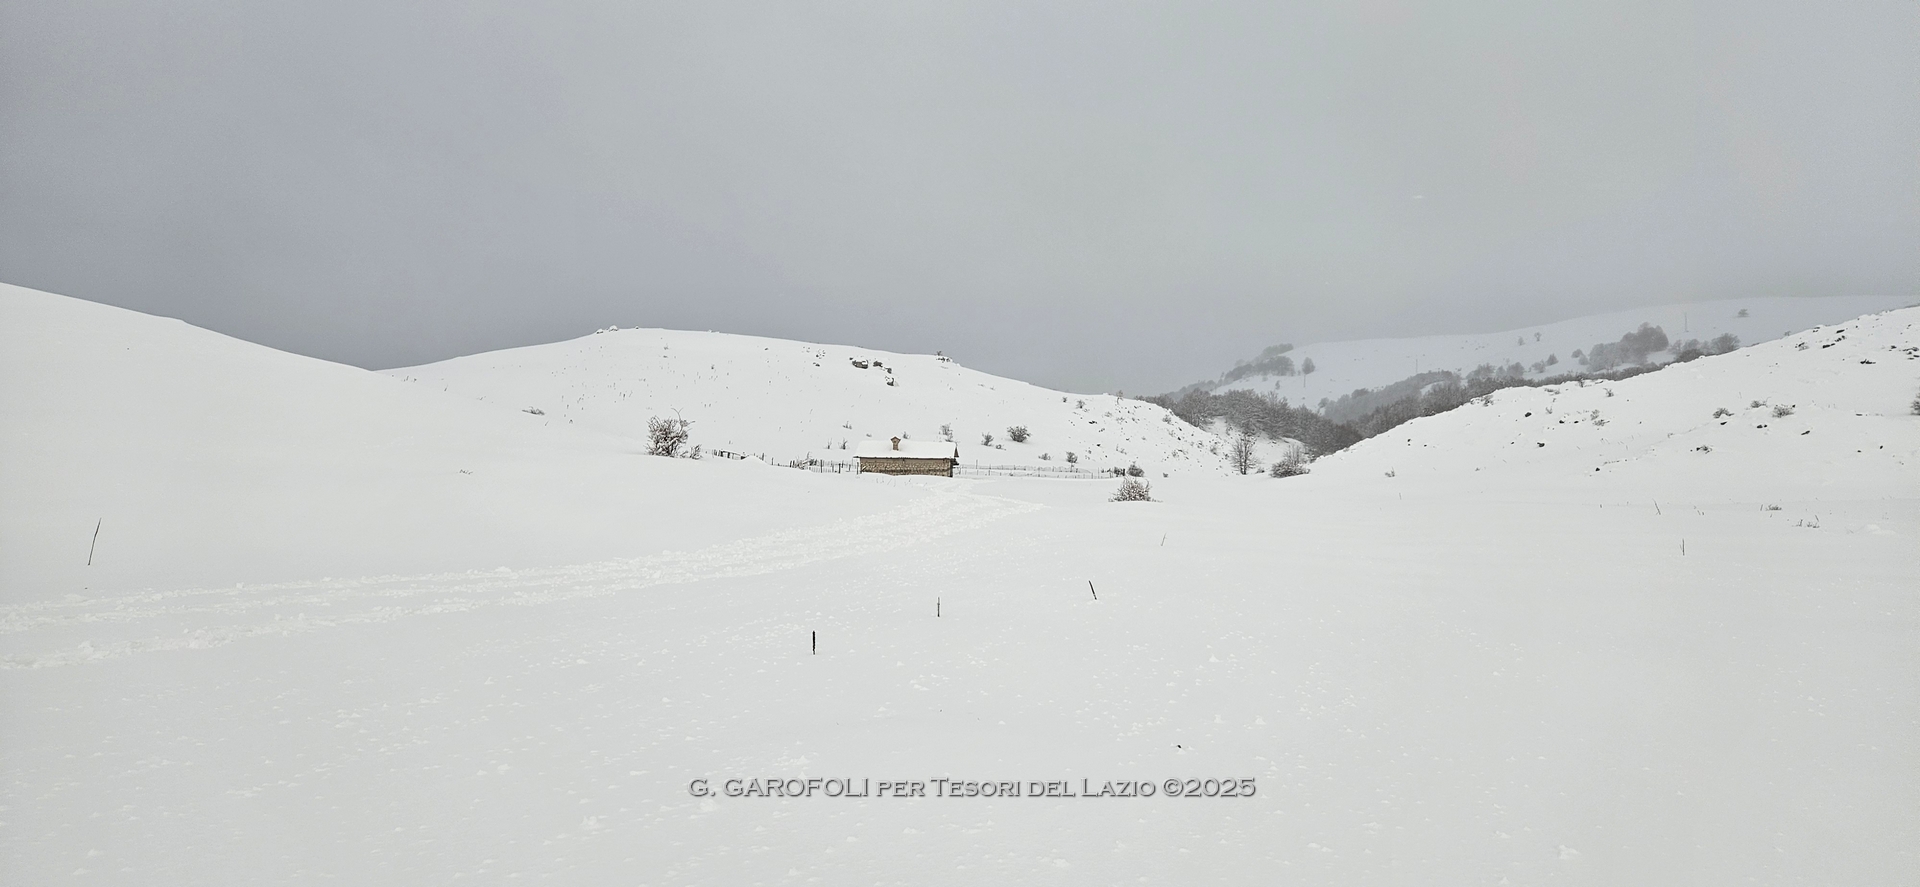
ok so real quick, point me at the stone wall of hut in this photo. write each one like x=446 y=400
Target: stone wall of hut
x=884 y=465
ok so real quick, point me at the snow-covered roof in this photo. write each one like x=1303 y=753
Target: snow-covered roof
x=909 y=449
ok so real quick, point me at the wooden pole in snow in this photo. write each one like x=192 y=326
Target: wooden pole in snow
x=1096 y=595
x=96 y=540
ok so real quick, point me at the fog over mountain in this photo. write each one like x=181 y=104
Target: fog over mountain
x=1089 y=197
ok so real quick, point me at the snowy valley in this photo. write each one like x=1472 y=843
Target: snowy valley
x=268 y=619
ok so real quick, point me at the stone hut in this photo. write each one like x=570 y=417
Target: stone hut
x=897 y=456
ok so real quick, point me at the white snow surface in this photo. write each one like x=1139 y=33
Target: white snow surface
x=789 y=400
x=1342 y=367
x=906 y=449
x=1447 y=655
x=205 y=459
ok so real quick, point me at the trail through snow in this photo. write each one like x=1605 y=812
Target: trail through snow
x=69 y=631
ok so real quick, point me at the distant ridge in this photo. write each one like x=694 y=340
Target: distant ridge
x=1342 y=367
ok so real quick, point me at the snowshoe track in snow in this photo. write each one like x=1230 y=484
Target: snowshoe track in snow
x=212 y=617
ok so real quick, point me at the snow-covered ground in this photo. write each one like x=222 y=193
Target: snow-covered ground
x=205 y=459
x=1498 y=664
x=792 y=400
x=1341 y=367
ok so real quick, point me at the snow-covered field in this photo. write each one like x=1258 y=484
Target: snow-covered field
x=1341 y=367
x=1587 y=636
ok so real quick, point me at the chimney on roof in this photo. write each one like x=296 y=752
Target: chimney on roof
x=896 y=443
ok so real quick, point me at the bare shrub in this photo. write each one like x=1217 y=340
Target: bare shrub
x=666 y=437
x=1132 y=490
x=1293 y=464
x=1017 y=433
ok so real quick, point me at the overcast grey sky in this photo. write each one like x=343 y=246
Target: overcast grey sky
x=1087 y=195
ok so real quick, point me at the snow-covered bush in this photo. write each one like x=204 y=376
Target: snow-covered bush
x=665 y=436
x=1072 y=458
x=1017 y=433
x=1132 y=490
x=986 y=440
x=1291 y=465
x=1722 y=412
x=1782 y=411
x=1135 y=470
x=1692 y=349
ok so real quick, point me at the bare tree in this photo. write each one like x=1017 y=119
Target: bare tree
x=1241 y=455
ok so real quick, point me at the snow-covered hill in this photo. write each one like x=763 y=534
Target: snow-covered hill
x=788 y=400
x=202 y=458
x=1342 y=367
x=1497 y=644
x=1823 y=414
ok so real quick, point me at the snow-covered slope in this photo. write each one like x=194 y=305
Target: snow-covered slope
x=1341 y=367
x=789 y=400
x=1821 y=414
x=1496 y=664
x=202 y=458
